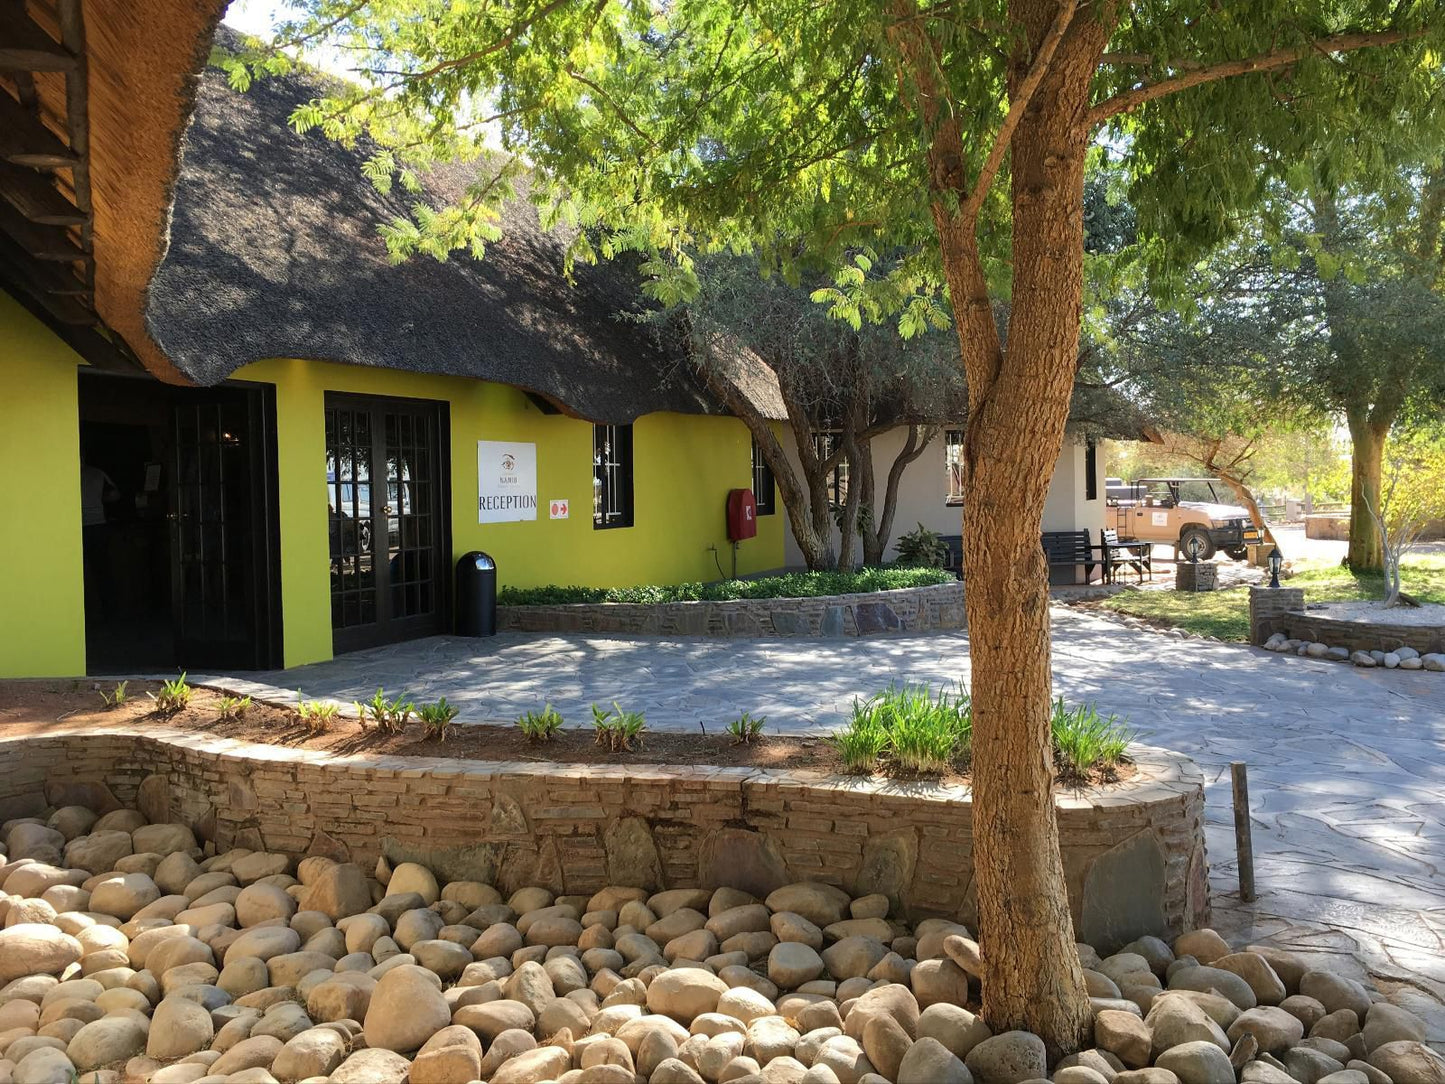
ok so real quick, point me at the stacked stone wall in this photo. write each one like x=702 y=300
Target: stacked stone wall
x=1133 y=852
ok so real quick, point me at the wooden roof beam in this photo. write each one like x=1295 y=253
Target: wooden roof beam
x=25 y=141
x=36 y=198
x=52 y=278
x=68 y=310
x=51 y=243
x=25 y=47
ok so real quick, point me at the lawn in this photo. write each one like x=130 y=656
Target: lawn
x=1225 y=614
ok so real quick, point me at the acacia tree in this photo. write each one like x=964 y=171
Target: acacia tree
x=1411 y=498
x=853 y=382
x=787 y=126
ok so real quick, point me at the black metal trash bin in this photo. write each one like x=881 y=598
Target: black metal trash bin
x=476 y=595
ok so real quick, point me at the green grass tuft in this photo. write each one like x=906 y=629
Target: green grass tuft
x=790 y=585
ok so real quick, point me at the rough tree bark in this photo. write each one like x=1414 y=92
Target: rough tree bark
x=1367 y=451
x=1018 y=406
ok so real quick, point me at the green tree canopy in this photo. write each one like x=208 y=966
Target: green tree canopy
x=791 y=127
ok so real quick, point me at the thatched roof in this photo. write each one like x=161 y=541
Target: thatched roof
x=274 y=252
x=92 y=100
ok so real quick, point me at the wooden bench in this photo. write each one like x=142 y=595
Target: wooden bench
x=1070 y=549
x=1136 y=555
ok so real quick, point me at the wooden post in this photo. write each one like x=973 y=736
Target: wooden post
x=1244 y=847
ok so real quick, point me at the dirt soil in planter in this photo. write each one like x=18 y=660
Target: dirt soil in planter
x=35 y=706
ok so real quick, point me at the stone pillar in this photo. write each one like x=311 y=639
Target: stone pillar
x=1267 y=605
x=1192 y=576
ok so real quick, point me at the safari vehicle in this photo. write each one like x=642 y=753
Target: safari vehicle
x=1176 y=510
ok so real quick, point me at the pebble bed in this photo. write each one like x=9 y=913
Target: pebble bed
x=129 y=953
x=1402 y=658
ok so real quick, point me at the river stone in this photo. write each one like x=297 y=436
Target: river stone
x=123 y=895
x=413 y=877
x=1125 y=1036
x=1174 y=1020
x=1409 y=1061
x=489 y=1020
x=1268 y=987
x=339 y=890
x=263 y=942
x=41 y=1065
x=98 y=852
x=534 y=1066
x=72 y=820
x=258 y=903
x=1335 y=992
x=451 y=1056
x=1204 y=945
x=179 y=1027
x=939 y=982
x=885 y=1042
x=1199 y=1062
x=101 y=1042
x=952 y=1025
x=406 y=1008
x=685 y=994
x=31 y=948
x=792 y=963
x=162 y=839
x=371 y=1067
x=314 y=1052
x=820 y=904
x=928 y=1061
x=1273 y=1027
x=1205 y=979
x=1009 y=1058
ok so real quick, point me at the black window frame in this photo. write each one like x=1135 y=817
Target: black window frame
x=765 y=494
x=825 y=442
x=613 y=506
x=1091 y=471
x=952 y=456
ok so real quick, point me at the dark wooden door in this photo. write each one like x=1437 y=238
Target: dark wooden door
x=390 y=543
x=223 y=590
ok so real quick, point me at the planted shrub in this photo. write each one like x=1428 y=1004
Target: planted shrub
x=1084 y=740
x=436 y=719
x=745 y=728
x=116 y=697
x=922 y=548
x=316 y=715
x=618 y=729
x=541 y=726
x=173 y=697
x=790 y=585
x=388 y=716
x=232 y=707
x=915 y=728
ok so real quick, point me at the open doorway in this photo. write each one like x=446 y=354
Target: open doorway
x=178 y=513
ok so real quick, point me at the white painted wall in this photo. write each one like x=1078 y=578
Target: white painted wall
x=924 y=487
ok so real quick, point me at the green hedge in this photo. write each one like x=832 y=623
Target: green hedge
x=792 y=585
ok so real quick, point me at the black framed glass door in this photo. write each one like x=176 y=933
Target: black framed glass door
x=387 y=488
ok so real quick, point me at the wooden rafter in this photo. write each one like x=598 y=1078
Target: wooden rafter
x=36 y=198
x=25 y=141
x=52 y=243
x=27 y=48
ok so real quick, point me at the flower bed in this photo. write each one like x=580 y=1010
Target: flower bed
x=1133 y=851
x=865 y=613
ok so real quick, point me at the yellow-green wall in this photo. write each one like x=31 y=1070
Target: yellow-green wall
x=42 y=603
x=683 y=468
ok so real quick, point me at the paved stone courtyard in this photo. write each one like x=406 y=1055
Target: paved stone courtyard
x=1347 y=766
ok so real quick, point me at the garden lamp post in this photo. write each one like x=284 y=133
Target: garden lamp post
x=1194 y=547
x=1276 y=561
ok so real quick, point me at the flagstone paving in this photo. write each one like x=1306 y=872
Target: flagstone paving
x=1346 y=766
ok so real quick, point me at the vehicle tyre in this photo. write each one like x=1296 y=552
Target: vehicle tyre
x=1238 y=553
x=1207 y=550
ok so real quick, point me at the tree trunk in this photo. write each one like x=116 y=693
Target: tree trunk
x=1366 y=554
x=1018 y=406
x=867 y=499
x=880 y=526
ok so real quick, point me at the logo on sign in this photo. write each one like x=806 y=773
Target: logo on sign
x=509 y=462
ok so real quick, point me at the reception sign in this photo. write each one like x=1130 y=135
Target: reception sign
x=506 y=481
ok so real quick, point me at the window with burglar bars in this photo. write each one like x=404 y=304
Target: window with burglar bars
x=1091 y=472
x=953 y=464
x=763 y=489
x=825 y=442
x=611 y=476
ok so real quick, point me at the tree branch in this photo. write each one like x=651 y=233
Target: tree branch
x=1020 y=101
x=1130 y=100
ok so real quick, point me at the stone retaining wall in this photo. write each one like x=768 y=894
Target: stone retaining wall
x=1283 y=610
x=1133 y=852
x=906 y=609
